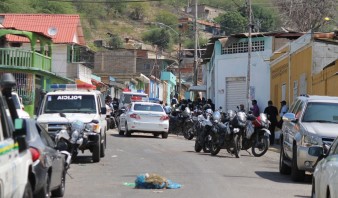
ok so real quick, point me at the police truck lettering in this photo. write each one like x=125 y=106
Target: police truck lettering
x=69 y=98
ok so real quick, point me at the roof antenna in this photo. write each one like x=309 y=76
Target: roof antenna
x=52 y=31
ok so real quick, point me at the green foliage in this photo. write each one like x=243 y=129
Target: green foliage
x=264 y=19
x=232 y=22
x=114 y=9
x=115 y=41
x=138 y=11
x=12 y=6
x=93 y=12
x=190 y=43
x=159 y=37
x=167 y=18
x=52 y=7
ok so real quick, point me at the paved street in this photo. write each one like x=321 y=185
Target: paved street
x=174 y=158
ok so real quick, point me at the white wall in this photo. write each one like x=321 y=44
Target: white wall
x=235 y=65
x=59 y=59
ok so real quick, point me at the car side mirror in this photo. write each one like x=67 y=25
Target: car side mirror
x=290 y=117
x=62 y=115
x=19 y=134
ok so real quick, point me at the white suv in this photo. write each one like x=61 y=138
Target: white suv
x=15 y=158
x=77 y=104
x=311 y=122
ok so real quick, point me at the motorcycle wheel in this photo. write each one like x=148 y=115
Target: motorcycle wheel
x=214 y=147
x=198 y=147
x=189 y=135
x=207 y=144
x=261 y=147
x=237 y=145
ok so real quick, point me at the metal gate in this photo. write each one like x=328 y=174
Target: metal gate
x=235 y=92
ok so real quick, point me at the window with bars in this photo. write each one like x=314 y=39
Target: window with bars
x=243 y=47
x=25 y=86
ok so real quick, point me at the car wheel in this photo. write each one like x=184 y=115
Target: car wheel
x=164 y=135
x=28 y=193
x=96 y=151
x=119 y=130
x=45 y=191
x=283 y=168
x=313 y=189
x=60 y=191
x=128 y=133
x=296 y=174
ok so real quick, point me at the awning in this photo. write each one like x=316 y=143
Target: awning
x=202 y=88
x=143 y=78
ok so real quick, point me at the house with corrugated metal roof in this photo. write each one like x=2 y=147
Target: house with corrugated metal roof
x=70 y=58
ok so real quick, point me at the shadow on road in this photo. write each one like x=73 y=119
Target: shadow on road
x=277 y=177
x=135 y=136
x=83 y=159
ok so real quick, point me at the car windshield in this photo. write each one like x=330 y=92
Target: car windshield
x=321 y=112
x=70 y=104
x=16 y=101
x=148 y=107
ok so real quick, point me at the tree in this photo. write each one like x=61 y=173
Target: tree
x=159 y=37
x=304 y=15
x=166 y=18
x=115 y=9
x=138 y=11
x=115 y=41
x=232 y=22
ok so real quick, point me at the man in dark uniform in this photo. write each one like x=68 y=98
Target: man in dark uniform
x=272 y=113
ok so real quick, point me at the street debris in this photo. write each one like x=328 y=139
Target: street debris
x=129 y=184
x=154 y=181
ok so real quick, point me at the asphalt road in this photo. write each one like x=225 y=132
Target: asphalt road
x=200 y=174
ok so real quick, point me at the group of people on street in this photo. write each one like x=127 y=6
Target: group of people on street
x=272 y=113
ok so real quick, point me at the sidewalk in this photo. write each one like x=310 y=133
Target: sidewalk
x=275 y=147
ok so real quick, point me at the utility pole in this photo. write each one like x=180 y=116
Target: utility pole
x=249 y=56
x=195 y=53
x=179 y=63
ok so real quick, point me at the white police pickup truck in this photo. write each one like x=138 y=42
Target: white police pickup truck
x=15 y=158
x=76 y=102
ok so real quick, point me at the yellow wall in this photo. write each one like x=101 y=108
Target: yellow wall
x=279 y=76
x=300 y=63
x=325 y=83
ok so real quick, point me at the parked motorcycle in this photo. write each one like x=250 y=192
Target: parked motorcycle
x=78 y=136
x=257 y=135
x=182 y=123
x=225 y=135
x=203 y=132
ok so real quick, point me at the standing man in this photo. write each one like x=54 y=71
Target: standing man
x=283 y=110
x=255 y=108
x=272 y=112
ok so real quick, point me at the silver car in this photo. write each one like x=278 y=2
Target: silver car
x=310 y=122
x=145 y=117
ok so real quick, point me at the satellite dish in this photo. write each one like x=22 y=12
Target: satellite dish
x=52 y=31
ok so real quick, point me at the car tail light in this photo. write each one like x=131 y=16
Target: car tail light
x=165 y=117
x=35 y=153
x=135 y=116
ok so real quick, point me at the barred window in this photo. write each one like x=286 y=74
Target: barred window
x=242 y=47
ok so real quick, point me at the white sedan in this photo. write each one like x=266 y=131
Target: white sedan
x=145 y=117
x=325 y=176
